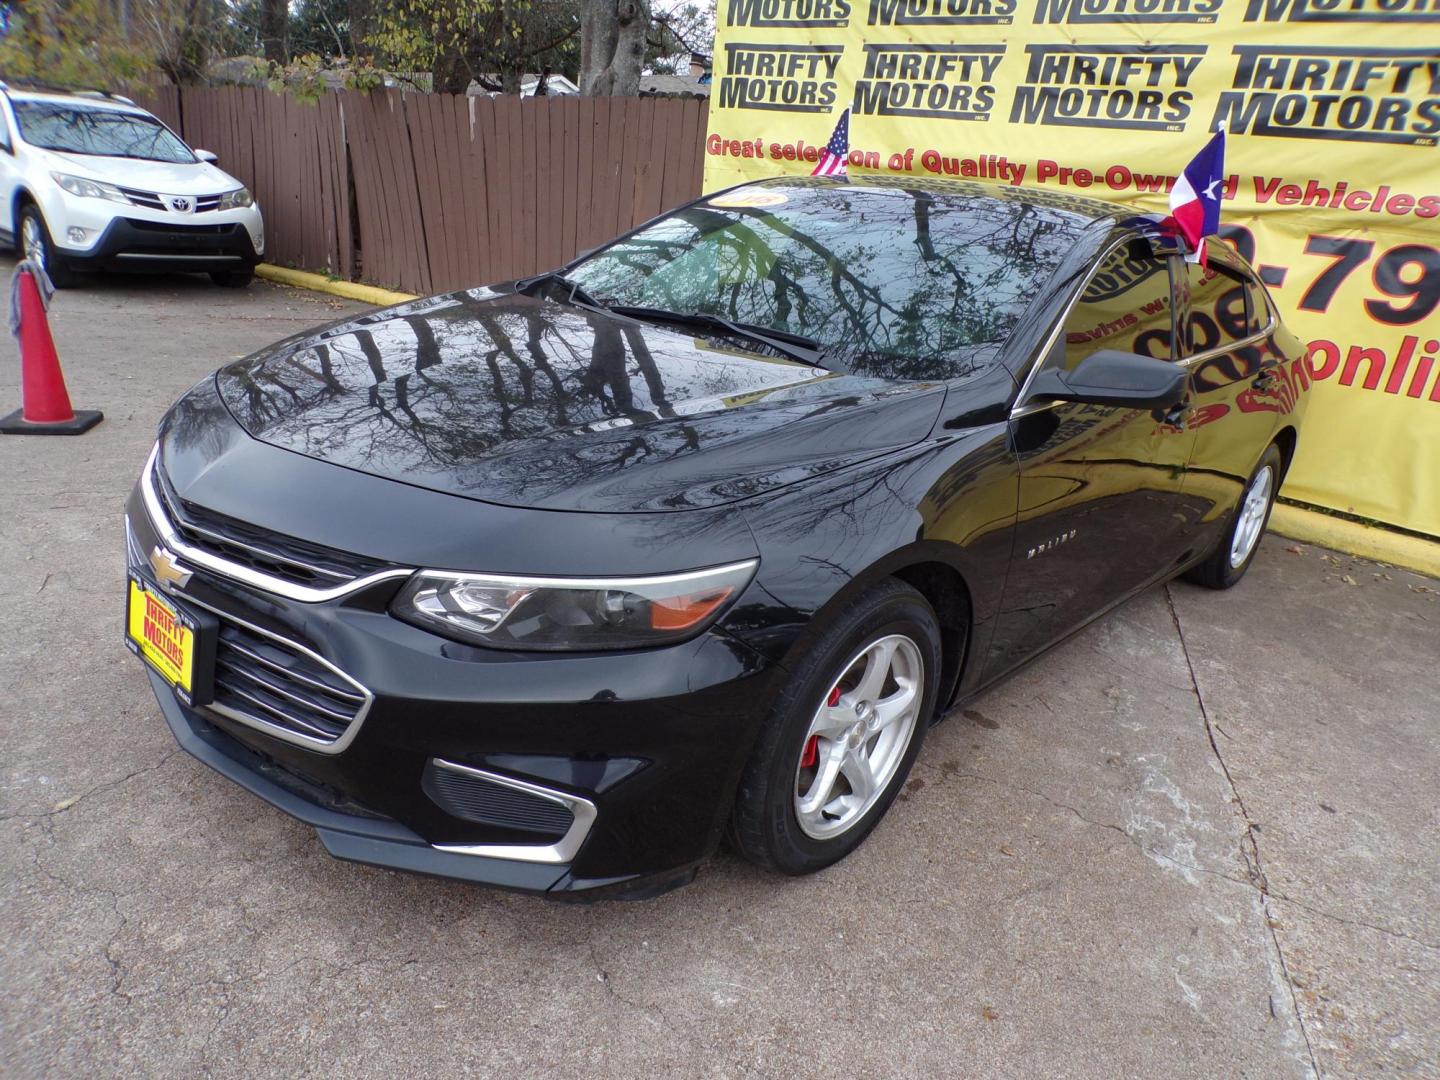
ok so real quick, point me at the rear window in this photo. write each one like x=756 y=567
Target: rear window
x=896 y=284
x=74 y=128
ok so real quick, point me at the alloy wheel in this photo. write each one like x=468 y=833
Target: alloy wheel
x=1251 y=521
x=859 y=736
x=32 y=240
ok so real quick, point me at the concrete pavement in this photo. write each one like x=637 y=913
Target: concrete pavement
x=1197 y=840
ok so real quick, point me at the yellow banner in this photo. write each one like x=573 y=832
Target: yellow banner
x=1333 y=110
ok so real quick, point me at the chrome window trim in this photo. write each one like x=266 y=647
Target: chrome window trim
x=305 y=594
x=322 y=746
x=561 y=851
x=1240 y=343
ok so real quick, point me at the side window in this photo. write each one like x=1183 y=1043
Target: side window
x=1222 y=308
x=1126 y=306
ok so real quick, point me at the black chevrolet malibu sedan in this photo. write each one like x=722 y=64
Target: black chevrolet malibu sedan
x=553 y=585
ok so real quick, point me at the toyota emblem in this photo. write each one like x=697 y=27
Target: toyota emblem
x=180 y=204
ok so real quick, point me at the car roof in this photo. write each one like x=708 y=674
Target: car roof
x=91 y=100
x=940 y=188
x=1096 y=215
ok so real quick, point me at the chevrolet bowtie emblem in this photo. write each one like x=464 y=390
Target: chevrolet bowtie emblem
x=167 y=571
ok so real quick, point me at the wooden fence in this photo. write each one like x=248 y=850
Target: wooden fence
x=425 y=192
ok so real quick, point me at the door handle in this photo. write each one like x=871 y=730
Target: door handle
x=1265 y=378
x=1175 y=416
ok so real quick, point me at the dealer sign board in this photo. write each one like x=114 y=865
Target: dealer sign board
x=1333 y=192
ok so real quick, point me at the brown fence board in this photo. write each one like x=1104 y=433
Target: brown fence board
x=470 y=141
x=470 y=163
x=651 y=169
x=528 y=241
x=429 y=192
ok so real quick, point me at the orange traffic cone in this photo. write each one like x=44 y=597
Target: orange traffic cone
x=46 y=403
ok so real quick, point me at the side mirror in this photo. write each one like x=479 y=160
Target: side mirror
x=207 y=156
x=1118 y=379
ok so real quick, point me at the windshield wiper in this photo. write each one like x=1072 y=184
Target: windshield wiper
x=796 y=346
x=575 y=292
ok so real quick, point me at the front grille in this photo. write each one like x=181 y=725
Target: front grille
x=486 y=802
x=151 y=200
x=148 y=199
x=284 y=557
x=268 y=682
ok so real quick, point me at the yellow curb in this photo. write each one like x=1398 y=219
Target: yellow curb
x=300 y=279
x=1366 y=541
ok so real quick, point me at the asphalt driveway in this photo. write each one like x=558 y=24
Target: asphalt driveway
x=1202 y=838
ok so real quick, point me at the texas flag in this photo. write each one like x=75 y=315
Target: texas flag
x=1195 y=198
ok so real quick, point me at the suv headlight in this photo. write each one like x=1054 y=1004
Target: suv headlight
x=505 y=612
x=235 y=200
x=88 y=189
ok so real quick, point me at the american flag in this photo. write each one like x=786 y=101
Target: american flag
x=832 y=158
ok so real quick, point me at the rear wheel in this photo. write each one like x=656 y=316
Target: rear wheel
x=35 y=244
x=842 y=736
x=232 y=279
x=1227 y=564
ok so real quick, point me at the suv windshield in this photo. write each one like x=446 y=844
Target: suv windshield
x=74 y=128
x=900 y=284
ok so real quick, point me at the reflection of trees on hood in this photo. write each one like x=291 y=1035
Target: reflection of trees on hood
x=437 y=388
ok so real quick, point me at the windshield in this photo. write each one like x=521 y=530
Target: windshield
x=81 y=129
x=896 y=283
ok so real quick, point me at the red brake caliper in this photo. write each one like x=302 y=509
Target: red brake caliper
x=811 y=756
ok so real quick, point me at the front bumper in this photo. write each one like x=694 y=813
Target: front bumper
x=135 y=244
x=653 y=742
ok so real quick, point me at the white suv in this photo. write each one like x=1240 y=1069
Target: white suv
x=93 y=181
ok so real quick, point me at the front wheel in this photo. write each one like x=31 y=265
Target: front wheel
x=842 y=736
x=36 y=245
x=1227 y=564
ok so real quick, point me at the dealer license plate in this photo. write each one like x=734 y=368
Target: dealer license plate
x=166 y=636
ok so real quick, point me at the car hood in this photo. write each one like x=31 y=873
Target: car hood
x=526 y=402
x=197 y=178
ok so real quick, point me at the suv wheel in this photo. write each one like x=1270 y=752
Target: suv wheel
x=35 y=245
x=842 y=736
x=232 y=279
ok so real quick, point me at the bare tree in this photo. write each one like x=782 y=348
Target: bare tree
x=612 y=46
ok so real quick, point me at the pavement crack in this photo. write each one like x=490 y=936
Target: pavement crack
x=69 y=804
x=1250 y=847
x=1112 y=826
x=1332 y=917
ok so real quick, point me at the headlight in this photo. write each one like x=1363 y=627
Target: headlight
x=88 y=189
x=235 y=200
x=505 y=612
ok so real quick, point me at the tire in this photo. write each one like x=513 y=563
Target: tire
x=232 y=279
x=1226 y=565
x=770 y=825
x=33 y=241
